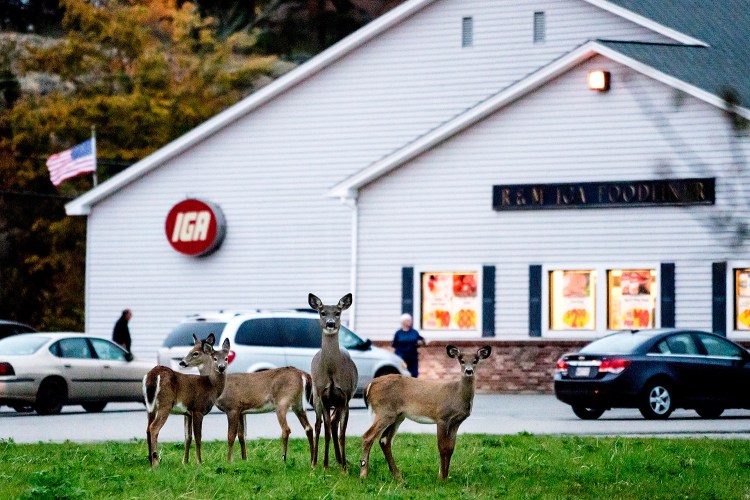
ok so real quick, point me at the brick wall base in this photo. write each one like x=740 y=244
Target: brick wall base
x=515 y=366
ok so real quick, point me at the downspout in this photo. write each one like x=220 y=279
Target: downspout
x=350 y=200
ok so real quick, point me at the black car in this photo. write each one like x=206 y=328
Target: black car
x=655 y=371
x=8 y=328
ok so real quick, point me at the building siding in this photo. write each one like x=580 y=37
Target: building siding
x=440 y=204
x=268 y=171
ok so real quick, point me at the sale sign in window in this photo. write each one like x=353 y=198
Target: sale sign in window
x=632 y=298
x=450 y=301
x=572 y=300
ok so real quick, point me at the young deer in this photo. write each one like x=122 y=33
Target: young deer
x=334 y=377
x=280 y=389
x=166 y=391
x=392 y=398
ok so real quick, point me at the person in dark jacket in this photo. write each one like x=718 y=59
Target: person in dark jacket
x=121 y=332
x=405 y=342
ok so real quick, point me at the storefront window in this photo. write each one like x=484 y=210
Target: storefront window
x=572 y=300
x=742 y=299
x=632 y=298
x=450 y=301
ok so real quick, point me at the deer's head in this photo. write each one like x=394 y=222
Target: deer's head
x=221 y=357
x=200 y=352
x=330 y=316
x=468 y=363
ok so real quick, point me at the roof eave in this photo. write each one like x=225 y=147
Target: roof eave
x=84 y=203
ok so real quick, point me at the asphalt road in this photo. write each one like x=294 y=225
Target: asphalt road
x=492 y=414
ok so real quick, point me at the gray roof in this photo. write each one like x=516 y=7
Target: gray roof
x=723 y=24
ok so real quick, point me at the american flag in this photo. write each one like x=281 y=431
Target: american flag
x=80 y=159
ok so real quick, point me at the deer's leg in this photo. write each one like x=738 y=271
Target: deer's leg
x=233 y=422
x=368 y=438
x=318 y=421
x=157 y=422
x=327 y=429
x=197 y=430
x=335 y=419
x=386 y=442
x=281 y=411
x=150 y=418
x=342 y=435
x=302 y=416
x=446 y=435
x=188 y=437
x=242 y=434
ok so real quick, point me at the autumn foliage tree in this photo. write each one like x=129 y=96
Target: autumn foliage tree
x=142 y=73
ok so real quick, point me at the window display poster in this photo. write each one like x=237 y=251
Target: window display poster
x=572 y=300
x=450 y=301
x=742 y=298
x=633 y=301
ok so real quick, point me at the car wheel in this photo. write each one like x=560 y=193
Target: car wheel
x=709 y=412
x=94 y=407
x=585 y=413
x=389 y=370
x=23 y=408
x=50 y=398
x=657 y=401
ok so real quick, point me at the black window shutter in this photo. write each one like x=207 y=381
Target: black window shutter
x=667 y=295
x=407 y=290
x=488 y=301
x=719 y=294
x=535 y=300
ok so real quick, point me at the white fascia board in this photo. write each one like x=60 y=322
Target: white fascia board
x=647 y=23
x=349 y=186
x=83 y=204
x=485 y=108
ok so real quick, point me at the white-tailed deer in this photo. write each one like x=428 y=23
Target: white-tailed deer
x=392 y=398
x=166 y=391
x=279 y=390
x=334 y=377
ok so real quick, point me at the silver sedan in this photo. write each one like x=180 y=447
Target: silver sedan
x=45 y=371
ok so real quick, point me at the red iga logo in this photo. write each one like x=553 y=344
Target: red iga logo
x=195 y=228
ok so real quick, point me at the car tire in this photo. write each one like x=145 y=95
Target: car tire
x=586 y=413
x=94 y=407
x=709 y=412
x=23 y=408
x=50 y=398
x=388 y=370
x=657 y=401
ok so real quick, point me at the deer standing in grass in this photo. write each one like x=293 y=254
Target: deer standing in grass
x=280 y=390
x=166 y=391
x=334 y=377
x=392 y=398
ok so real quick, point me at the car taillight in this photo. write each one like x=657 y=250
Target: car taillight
x=231 y=357
x=6 y=369
x=561 y=367
x=614 y=365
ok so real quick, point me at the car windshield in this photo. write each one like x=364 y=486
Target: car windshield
x=20 y=345
x=618 y=343
x=348 y=338
x=183 y=334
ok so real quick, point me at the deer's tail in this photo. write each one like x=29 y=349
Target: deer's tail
x=307 y=384
x=364 y=396
x=151 y=391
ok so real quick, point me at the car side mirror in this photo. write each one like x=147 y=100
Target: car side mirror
x=129 y=356
x=365 y=346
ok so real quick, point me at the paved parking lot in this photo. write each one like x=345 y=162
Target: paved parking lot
x=493 y=414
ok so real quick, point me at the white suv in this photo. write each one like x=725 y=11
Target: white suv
x=262 y=340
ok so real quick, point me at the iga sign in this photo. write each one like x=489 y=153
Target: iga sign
x=195 y=228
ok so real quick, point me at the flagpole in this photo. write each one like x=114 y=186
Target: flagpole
x=93 y=147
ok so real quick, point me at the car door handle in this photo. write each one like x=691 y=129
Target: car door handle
x=68 y=366
x=107 y=366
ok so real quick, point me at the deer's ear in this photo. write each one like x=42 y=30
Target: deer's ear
x=345 y=302
x=225 y=345
x=452 y=351
x=211 y=339
x=314 y=302
x=484 y=352
x=196 y=340
x=207 y=348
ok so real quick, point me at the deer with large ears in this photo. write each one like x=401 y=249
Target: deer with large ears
x=392 y=398
x=166 y=391
x=334 y=377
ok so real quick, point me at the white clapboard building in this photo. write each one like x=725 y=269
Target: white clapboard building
x=548 y=169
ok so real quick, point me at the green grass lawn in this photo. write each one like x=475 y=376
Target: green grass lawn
x=483 y=466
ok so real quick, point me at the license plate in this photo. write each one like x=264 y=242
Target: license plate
x=583 y=371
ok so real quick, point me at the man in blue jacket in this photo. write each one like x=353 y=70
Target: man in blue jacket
x=405 y=342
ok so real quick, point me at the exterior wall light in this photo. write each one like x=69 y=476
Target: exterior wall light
x=599 y=80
